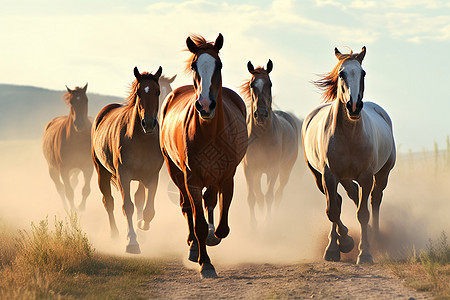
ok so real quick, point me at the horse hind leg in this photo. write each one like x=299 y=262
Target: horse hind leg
x=210 y=201
x=269 y=197
x=381 y=180
x=285 y=173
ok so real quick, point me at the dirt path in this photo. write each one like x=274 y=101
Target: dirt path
x=320 y=280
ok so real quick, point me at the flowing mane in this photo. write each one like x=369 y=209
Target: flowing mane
x=328 y=82
x=245 y=87
x=130 y=100
x=202 y=44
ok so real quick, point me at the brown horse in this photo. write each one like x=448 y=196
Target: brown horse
x=66 y=145
x=165 y=88
x=349 y=142
x=203 y=139
x=125 y=147
x=273 y=141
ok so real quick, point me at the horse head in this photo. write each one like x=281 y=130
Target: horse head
x=147 y=99
x=165 y=86
x=350 y=83
x=261 y=92
x=206 y=68
x=78 y=103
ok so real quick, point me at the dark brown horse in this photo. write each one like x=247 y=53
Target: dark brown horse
x=273 y=141
x=125 y=147
x=66 y=145
x=203 y=139
x=350 y=142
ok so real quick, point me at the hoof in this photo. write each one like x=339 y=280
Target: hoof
x=208 y=271
x=222 y=231
x=346 y=244
x=142 y=225
x=133 y=249
x=364 y=259
x=332 y=255
x=193 y=252
x=211 y=239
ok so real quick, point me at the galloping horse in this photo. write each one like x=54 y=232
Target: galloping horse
x=203 y=139
x=349 y=142
x=273 y=141
x=125 y=147
x=165 y=88
x=66 y=145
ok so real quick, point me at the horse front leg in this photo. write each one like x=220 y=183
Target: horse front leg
x=87 y=175
x=68 y=188
x=194 y=189
x=54 y=175
x=366 y=183
x=149 y=210
x=139 y=200
x=225 y=197
x=339 y=240
x=271 y=178
x=128 y=210
x=210 y=200
x=250 y=178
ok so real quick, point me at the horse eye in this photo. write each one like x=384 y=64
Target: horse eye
x=194 y=66
x=252 y=85
x=218 y=65
x=342 y=74
x=363 y=73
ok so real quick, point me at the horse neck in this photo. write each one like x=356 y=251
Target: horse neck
x=131 y=112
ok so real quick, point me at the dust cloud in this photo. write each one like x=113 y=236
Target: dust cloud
x=415 y=208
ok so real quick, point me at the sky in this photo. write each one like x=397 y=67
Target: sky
x=52 y=43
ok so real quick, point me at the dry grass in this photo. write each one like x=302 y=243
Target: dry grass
x=428 y=271
x=61 y=263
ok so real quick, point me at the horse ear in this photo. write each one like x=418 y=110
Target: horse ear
x=219 y=42
x=69 y=90
x=250 y=67
x=136 y=73
x=337 y=53
x=85 y=88
x=158 y=73
x=191 y=45
x=170 y=80
x=269 y=66
x=360 y=55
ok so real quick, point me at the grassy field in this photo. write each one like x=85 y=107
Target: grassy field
x=60 y=263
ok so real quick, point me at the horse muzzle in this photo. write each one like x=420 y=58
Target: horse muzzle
x=206 y=108
x=260 y=116
x=149 y=126
x=354 y=108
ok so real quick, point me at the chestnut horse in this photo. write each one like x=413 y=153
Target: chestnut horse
x=273 y=141
x=165 y=88
x=203 y=140
x=66 y=146
x=125 y=147
x=350 y=142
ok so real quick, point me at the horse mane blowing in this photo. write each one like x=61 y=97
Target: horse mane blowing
x=328 y=84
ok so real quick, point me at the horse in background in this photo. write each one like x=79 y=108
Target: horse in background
x=66 y=146
x=125 y=147
x=348 y=141
x=273 y=141
x=203 y=140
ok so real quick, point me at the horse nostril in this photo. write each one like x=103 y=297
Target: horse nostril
x=212 y=105
x=349 y=105
x=266 y=114
x=143 y=123
x=154 y=123
x=198 y=105
x=255 y=115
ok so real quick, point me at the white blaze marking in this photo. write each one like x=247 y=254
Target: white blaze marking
x=353 y=71
x=146 y=89
x=259 y=84
x=206 y=64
